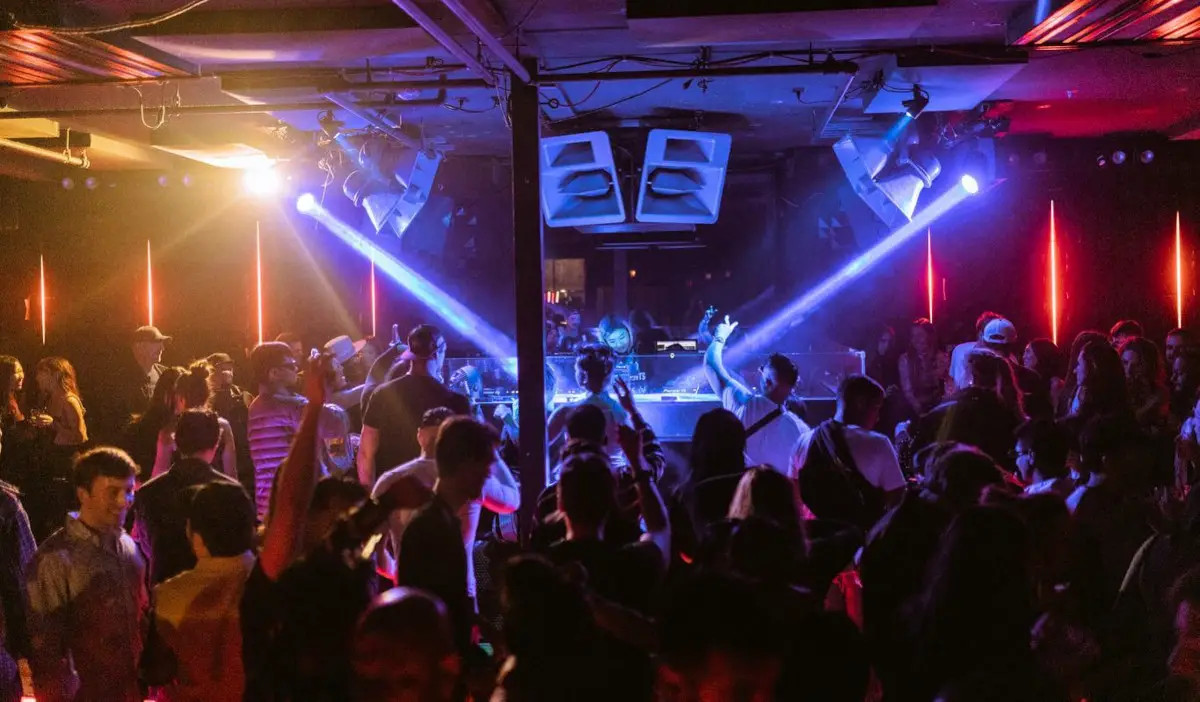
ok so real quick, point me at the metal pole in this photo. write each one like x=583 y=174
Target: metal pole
x=492 y=43
x=826 y=67
x=48 y=154
x=528 y=256
x=440 y=36
x=382 y=123
x=194 y=109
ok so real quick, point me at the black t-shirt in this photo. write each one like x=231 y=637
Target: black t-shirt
x=395 y=410
x=434 y=560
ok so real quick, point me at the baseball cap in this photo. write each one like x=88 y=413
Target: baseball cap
x=149 y=333
x=1000 y=331
x=219 y=358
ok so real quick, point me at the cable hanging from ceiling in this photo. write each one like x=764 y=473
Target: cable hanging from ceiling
x=111 y=28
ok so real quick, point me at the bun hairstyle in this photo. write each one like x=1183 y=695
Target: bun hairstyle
x=192 y=385
x=594 y=366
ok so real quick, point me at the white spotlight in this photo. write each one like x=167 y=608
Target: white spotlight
x=306 y=204
x=970 y=184
x=261 y=181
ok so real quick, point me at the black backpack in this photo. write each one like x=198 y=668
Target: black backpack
x=830 y=483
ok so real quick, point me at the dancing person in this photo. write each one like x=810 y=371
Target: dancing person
x=150 y=430
x=433 y=557
x=160 y=507
x=391 y=419
x=343 y=350
x=501 y=494
x=88 y=601
x=772 y=430
x=959 y=377
x=1177 y=342
x=573 y=335
x=232 y=404
x=716 y=462
x=194 y=392
x=923 y=368
x=62 y=411
x=1145 y=380
x=196 y=611
x=18 y=433
x=1100 y=384
x=847 y=472
x=1041 y=458
x=1043 y=357
x=275 y=417
x=132 y=384
x=594 y=366
x=1068 y=398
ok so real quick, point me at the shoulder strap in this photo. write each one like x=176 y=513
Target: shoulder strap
x=764 y=421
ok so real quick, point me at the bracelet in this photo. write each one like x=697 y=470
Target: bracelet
x=718 y=339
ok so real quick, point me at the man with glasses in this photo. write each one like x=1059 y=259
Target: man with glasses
x=393 y=414
x=274 y=416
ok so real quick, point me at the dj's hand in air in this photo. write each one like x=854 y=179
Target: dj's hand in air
x=316 y=369
x=724 y=329
x=624 y=395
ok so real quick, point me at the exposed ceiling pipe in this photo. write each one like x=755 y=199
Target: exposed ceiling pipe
x=493 y=44
x=47 y=154
x=242 y=109
x=826 y=67
x=440 y=36
x=380 y=122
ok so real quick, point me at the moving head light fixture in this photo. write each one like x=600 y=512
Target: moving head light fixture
x=391 y=183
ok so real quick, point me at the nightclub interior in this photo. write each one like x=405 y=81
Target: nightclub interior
x=530 y=175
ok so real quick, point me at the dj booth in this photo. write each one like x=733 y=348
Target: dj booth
x=670 y=389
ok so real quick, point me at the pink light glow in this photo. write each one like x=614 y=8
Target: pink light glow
x=929 y=269
x=258 y=277
x=1053 y=259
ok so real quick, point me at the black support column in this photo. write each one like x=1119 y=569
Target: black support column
x=529 y=253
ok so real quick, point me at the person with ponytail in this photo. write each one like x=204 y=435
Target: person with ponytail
x=195 y=392
x=594 y=372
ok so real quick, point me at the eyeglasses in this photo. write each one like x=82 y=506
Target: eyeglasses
x=1018 y=454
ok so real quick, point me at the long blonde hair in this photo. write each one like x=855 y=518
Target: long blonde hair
x=63 y=373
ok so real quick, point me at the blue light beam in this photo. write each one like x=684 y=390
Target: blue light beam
x=464 y=321
x=799 y=309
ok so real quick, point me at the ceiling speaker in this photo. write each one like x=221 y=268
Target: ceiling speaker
x=579 y=181
x=683 y=175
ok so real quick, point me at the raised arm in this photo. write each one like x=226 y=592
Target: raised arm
x=714 y=364
x=501 y=493
x=297 y=478
x=653 y=457
x=650 y=502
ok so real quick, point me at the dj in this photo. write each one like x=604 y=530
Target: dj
x=772 y=431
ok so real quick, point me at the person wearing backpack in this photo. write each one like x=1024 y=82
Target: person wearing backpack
x=847 y=472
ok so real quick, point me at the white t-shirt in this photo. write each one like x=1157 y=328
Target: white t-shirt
x=499 y=498
x=958 y=364
x=873 y=455
x=775 y=443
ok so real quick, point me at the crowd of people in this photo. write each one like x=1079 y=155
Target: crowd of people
x=991 y=521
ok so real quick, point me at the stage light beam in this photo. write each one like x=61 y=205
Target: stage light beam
x=970 y=184
x=489 y=339
x=800 y=308
x=1053 y=261
x=1178 y=272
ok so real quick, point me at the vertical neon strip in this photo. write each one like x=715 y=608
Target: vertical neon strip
x=1178 y=273
x=373 y=308
x=929 y=268
x=1053 y=277
x=258 y=277
x=42 y=293
x=149 y=287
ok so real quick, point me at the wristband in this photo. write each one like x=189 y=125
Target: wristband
x=718 y=339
